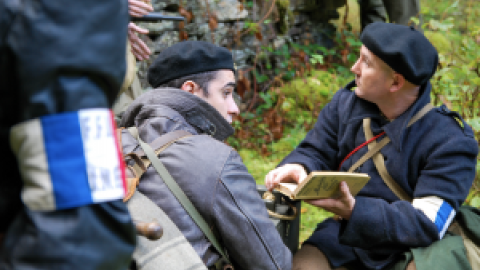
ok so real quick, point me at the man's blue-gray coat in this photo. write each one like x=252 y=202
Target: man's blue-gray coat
x=433 y=160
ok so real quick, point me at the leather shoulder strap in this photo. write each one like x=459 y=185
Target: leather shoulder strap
x=140 y=163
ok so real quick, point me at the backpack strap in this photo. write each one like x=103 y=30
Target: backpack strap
x=379 y=160
x=179 y=194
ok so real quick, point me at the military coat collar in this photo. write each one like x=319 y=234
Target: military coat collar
x=198 y=113
x=395 y=130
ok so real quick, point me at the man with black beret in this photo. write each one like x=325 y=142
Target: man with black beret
x=419 y=178
x=194 y=83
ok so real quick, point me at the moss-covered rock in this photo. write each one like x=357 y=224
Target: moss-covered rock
x=306 y=92
x=285 y=16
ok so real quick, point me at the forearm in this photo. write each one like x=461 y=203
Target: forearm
x=375 y=223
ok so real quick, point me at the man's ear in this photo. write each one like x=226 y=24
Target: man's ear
x=189 y=86
x=398 y=82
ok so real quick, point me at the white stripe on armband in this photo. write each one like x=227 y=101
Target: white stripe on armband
x=69 y=160
x=437 y=210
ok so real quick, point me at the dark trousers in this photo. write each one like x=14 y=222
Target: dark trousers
x=398 y=11
x=59 y=56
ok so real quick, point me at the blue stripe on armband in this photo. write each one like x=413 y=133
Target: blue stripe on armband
x=444 y=217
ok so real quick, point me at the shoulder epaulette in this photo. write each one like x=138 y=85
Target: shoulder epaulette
x=446 y=111
x=467 y=130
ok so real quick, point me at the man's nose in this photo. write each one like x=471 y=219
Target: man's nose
x=233 y=108
x=355 y=67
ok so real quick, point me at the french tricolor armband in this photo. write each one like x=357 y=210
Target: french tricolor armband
x=69 y=160
x=437 y=210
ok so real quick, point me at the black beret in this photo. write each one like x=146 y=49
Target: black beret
x=188 y=58
x=404 y=49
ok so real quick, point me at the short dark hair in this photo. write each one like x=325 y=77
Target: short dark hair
x=202 y=79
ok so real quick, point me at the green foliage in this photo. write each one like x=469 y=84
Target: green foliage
x=454 y=29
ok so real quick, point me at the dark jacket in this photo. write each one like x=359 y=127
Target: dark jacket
x=211 y=174
x=436 y=156
x=56 y=59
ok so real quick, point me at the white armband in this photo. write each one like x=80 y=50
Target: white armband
x=437 y=210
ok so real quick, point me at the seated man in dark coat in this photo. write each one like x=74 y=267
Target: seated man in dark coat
x=433 y=160
x=194 y=84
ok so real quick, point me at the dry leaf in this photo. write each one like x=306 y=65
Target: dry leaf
x=344 y=54
x=309 y=67
x=243 y=84
x=212 y=22
x=302 y=56
x=265 y=150
x=258 y=35
x=190 y=16
x=183 y=35
x=186 y=14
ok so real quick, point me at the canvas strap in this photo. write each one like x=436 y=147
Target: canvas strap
x=377 y=157
x=178 y=192
x=379 y=162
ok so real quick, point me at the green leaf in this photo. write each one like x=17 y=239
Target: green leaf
x=475 y=202
x=289 y=75
x=317 y=58
x=260 y=78
x=474 y=122
x=454 y=5
x=415 y=20
x=443 y=26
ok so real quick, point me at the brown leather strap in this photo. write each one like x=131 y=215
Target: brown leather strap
x=378 y=158
x=141 y=162
x=119 y=138
x=133 y=173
